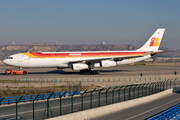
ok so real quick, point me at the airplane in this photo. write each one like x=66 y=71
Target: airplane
x=87 y=61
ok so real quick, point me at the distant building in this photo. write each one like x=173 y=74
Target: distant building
x=49 y=44
x=58 y=44
x=167 y=59
x=149 y=60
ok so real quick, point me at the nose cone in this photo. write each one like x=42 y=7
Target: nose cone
x=5 y=61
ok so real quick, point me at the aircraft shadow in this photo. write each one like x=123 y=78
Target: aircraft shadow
x=49 y=72
x=73 y=72
x=2 y=73
x=113 y=70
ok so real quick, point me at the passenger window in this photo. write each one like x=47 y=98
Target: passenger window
x=9 y=57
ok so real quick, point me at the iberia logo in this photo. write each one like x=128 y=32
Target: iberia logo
x=154 y=42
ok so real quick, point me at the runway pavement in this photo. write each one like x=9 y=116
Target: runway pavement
x=25 y=110
x=144 y=111
x=108 y=76
x=147 y=70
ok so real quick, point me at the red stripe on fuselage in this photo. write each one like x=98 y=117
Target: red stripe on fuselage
x=86 y=54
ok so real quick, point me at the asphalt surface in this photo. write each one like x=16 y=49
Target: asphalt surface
x=25 y=110
x=147 y=70
x=144 y=111
x=108 y=76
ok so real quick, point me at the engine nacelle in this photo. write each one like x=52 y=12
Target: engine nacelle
x=79 y=66
x=107 y=63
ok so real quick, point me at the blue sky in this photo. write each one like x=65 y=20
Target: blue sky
x=89 y=22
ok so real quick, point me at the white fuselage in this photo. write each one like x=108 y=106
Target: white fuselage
x=79 y=60
x=22 y=61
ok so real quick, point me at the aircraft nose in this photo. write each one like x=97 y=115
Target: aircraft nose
x=5 y=61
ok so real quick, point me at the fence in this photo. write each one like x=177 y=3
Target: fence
x=97 y=97
x=115 y=79
x=73 y=83
x=170 y=114
x=25 y=98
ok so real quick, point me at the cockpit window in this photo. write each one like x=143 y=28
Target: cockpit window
x=9 y=57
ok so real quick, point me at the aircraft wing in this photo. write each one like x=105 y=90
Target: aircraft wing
x=97 y=60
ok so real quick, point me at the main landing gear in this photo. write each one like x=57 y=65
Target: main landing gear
x=90 y=71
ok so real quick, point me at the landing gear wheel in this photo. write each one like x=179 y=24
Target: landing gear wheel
x=94 y=72
x=90 y=71
x=97 y=72
x=24 y=73
x=81 y=71
x=84 y=71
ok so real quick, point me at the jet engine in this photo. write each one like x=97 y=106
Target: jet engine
x=107 y=63
x=79 y=66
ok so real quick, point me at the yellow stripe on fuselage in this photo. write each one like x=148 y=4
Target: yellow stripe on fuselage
x=30 y=55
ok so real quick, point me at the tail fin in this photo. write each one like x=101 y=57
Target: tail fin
x=154 y=41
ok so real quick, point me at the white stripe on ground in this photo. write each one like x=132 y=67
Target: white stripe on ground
x=152 y=109
x=51 y=108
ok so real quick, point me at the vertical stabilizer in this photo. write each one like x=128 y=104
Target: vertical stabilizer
x=154 y=41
